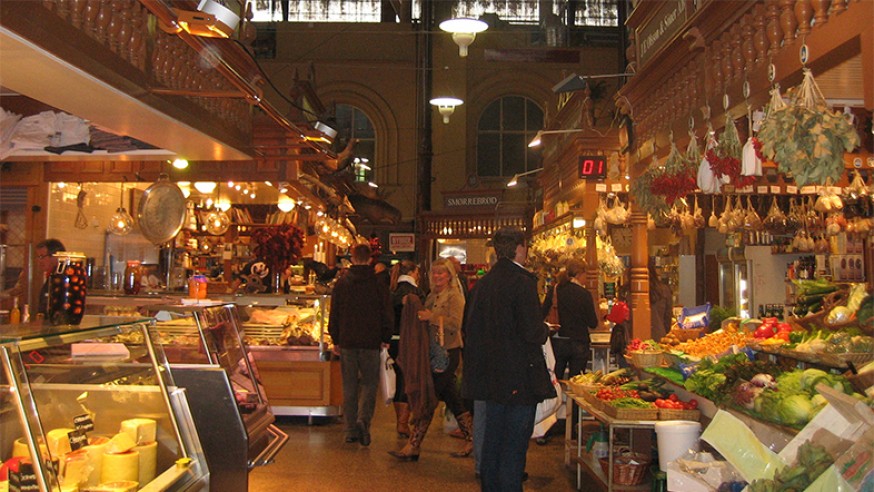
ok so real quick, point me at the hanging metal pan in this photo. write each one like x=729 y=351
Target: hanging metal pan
x=161 y=211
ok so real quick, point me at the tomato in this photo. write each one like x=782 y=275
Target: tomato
x=673 y=397
x=693 y=404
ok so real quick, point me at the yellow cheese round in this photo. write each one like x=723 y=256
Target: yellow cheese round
x=148 y=462
x=19 y=448
x=120 y=443
x=58 y=442
x=123 y=486
x=141 y=430
x=120 y=467
x=95 y=459
x=76 y=468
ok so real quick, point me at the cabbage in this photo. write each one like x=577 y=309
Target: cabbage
x=795 y=410
x=811 y=377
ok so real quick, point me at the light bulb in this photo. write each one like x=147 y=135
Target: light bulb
x=121 y=222
x=217 y=223
x=205 y=187
x=285 y=204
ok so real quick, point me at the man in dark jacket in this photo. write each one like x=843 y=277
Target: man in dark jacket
x=360 y=324
x=503 y=360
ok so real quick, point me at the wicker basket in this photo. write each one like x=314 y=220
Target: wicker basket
x=581 y=389
x=677 y=414
x=628 y=468
x=646 y=359
x=631 y=413
x=686 y=334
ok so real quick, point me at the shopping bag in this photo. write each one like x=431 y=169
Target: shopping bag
x=387 y=377
x=551 y=405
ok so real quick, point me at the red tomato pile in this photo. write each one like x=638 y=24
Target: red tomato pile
x=771 y=328
x=674 y=402
x=610 y=393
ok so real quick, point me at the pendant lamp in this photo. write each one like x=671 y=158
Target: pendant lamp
x=121 y=222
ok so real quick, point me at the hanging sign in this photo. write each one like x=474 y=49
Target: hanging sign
x=402 y=242
x=662 y=25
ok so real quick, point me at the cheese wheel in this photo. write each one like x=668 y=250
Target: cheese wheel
x=120 y=443
x=148 y=461
x=58 y=441
x=142 y=431
x=76 y=468
x=95 y=458
x=19 y=448
x=120 y=467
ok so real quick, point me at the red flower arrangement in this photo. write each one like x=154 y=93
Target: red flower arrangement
x=279 y=246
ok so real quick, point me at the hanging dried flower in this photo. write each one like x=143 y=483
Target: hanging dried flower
x=279 y=246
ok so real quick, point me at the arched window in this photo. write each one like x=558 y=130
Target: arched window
x=353 y=123
x=503 y=132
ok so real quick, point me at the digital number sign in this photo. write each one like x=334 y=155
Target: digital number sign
x=593 y=167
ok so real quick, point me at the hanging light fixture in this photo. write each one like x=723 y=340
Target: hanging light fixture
x=446 y=106
x=285 y=204
x=121 y=222
x=205 y=187
x=463 y=31
x=217 y=221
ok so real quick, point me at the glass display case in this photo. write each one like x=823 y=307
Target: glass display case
x=94 y=407
x=208 y=358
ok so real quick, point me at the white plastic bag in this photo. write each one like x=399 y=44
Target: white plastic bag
x=548 y=407
x=387 y=377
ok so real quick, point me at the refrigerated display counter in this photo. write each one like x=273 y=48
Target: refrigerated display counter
x=207 y=356
x=93 y=406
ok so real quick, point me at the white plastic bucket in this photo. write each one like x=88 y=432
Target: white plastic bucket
x=674 y=438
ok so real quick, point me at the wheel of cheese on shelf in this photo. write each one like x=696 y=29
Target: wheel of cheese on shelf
x=95 y=449
x=120 y=467
x=58 y=442
x=19 y=448
x=75 y=468
x=120 y=443
x=141 y=430
x=148 y=463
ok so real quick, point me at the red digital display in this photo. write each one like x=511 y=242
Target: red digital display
x=593 y=167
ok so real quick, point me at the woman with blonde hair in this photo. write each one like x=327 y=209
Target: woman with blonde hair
x=443 y=312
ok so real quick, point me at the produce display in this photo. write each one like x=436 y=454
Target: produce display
x=718 y=342
x=619 y=376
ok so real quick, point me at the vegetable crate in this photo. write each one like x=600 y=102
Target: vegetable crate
x=677 y=414
x=628 y=468
x=631 y=413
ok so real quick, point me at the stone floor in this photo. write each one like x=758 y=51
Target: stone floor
x=316 y=459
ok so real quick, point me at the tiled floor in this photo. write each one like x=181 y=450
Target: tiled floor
x=316 y=459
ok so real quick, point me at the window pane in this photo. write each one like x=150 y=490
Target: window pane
x=513 y=116
x=513 y=148
x=363 y=128
x=490 y=117
x=488 y=157
x=534 y=116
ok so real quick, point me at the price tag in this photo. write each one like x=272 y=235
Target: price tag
x=746 y=189
x=83 y=422
x=835 y=190
x=601 y=187
x=791 y=189
x=808 y=190
x=762 y=190
x=775 y=190
x=616 y=187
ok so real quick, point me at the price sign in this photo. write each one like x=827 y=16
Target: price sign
x=616 y=187
x=775 y=190
x=593 y=167
x=792 y=190
x=601 y=187
x=762 y=190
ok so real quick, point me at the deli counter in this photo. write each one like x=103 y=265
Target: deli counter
x=93 y=407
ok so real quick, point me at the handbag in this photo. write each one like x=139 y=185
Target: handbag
x=549 y=406
x=552 y=316
x=438 y=354
x=387 y=376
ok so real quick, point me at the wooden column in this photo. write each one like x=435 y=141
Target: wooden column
x=639 y=276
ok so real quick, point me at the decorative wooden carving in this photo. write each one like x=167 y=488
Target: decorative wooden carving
x=820 y=11
x=760 y=34
x=737 y=55
x=775 y=29
x=803 y=14
x=838 y=6
x=788 y=22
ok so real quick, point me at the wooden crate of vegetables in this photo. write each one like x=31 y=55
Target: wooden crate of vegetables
x=626 y=404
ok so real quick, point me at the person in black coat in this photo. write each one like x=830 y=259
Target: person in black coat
x=503 y=360
x=577 y=315
x=360 y=323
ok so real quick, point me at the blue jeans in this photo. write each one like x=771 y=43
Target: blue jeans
x=508 y=430
x=360 y=370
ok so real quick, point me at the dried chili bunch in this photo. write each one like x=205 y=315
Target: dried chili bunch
x=678 y=178
x=725 y=158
